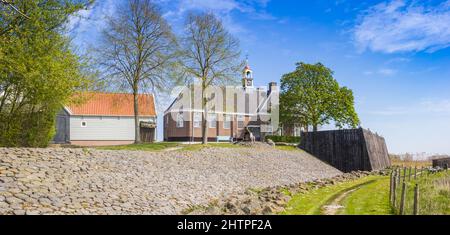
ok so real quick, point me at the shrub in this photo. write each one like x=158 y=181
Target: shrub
x=38 y=71
x=283 y=139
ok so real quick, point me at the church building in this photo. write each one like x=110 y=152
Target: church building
x=231 y=112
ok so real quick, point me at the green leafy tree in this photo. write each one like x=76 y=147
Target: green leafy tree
x=312 y=97
x=39 y=72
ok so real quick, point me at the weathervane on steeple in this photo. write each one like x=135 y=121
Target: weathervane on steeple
x=246 y=59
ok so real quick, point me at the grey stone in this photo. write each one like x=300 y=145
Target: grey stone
x=70 y=181
x=246 y=210
x=13 y=200
x=19 y=212
x=267 y=210
x=4 y=205
x=270 y=142
x=34 y=212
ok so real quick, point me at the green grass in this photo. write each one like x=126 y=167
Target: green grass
x=287 y=148
x=371 y=199
x=166 y=145
x=311 y=203
x=370 y=196
x=159 y=146
x=142 y=147
x=196 y=147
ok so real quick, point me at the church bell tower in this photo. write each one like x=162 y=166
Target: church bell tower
x=247 y=77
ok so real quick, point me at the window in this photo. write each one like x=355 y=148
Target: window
x=297 y=131
x=240 y=121
x=83 y=124
x=212 y=118
x=197 y=120
x=227 y=122
x=180 y=120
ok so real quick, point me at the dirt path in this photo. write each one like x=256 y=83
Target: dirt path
x=334 y=205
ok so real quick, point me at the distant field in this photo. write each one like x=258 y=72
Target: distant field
x=396 y=162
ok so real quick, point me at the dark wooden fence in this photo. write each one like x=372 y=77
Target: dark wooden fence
x=348 y=150
x=442 y=163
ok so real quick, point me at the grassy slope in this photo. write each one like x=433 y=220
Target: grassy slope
x=288 y=148
x=142 y=147
x=184 y=147
x=312 y=202
x=167 y=145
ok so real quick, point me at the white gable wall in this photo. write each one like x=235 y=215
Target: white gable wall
x=103 y=128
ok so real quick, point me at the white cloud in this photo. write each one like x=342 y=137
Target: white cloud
x=436 y=106
x=212 y=5
x=390 y=111
x=398 y=60
x=92 y=18
x=387 y=72
x=223 y=9
x=428 y=106
x=86 y=25
x=382 y=71
x=403 y=26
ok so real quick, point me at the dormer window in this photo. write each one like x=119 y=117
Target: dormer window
x=249 y=74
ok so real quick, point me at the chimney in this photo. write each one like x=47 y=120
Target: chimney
x=272 y=87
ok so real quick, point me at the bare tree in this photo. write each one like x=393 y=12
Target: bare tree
x=211 y=54
x=138 y=46
x=10 y=4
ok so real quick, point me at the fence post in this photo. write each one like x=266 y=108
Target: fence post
x=416 y=200
x=409 y=174
x=402 y=200
x=390 y=187
x=394 y=191
x=415 y=172
x=404 y=174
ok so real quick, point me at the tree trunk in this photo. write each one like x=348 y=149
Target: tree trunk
x=205 y=122
x=137 y=136
x=315 y=128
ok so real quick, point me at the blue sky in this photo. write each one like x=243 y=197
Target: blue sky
x=394 y=55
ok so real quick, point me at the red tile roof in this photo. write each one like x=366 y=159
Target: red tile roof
x=112 y=104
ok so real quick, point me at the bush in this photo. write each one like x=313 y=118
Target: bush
x=27 y=129
x=39 y=72
x=283 y=139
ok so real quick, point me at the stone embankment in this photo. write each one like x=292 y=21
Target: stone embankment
x=89 y=181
